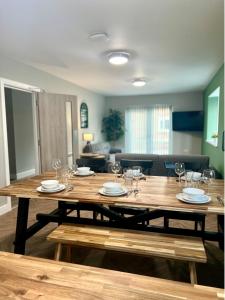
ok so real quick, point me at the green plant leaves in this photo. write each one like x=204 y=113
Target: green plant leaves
x=113 y=125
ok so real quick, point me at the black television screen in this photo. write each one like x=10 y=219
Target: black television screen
x=188 y=121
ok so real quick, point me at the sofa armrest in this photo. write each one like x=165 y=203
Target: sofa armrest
x=115 y=150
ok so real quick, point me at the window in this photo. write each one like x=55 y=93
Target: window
x=213 y=117
x=148 y=130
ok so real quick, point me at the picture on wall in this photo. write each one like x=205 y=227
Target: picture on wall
x=83 y=115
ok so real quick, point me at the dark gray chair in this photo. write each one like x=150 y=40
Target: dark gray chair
x=170 y=167
x=196 y=218
x=96 y=165
x=146 y=166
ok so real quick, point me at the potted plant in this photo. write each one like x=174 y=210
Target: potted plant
x=113 y=126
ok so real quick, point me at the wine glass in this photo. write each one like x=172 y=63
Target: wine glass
x=56 y=165
x=137 y=172
x=179 y=169
x=67 y=173
x=115 y=167
x=208 y=177
x=74 y=168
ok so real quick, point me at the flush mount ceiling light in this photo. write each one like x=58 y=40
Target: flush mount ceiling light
x=118 y=57
x=139 y=82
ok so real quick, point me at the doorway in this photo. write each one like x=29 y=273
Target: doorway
x=19 y=147
x=20 y=133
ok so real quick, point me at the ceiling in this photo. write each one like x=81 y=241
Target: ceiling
x=176 y=44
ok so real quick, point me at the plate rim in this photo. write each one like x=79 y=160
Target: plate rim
x=90 y=173
x=52 y=191
x=125 y=191
x=191 y=202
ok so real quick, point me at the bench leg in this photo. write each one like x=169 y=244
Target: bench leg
x=193 y=274
x=69 y=253
x=58 y=251
x=166 y=223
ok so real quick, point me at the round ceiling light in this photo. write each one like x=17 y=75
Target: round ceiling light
x=139 y=82
x=118 y=58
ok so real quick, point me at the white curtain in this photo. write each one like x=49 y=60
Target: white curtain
x=148 y=129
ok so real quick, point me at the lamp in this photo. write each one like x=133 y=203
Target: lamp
x=88 y=137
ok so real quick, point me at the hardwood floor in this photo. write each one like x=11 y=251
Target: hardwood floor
x=211 y=273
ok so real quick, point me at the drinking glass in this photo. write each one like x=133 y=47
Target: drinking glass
x=208 y=178
x=115 y=167
x=188 y=177
x=179 y=169
x=56 y=165
x=137 y=172
x=128 y=177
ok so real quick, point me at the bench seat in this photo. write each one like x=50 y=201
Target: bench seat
x=190 y=249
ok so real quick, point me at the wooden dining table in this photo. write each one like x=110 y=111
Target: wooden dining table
x=157 y=195
x=25 y=277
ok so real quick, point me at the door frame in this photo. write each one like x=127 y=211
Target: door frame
x=26 y=88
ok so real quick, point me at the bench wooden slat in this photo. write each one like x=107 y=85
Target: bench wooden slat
x=141 y=243
x=26 y=277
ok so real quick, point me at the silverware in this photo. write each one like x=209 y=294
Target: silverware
x=129 y=193
x=220 y=199
x=69 y=188
x=136 y=192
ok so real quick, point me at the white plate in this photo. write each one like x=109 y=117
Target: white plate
x=113 y=192
x=185 y=199
x=60 y=188
x=88 y=174
x=123 y=192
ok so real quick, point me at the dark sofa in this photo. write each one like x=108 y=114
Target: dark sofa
x=158 y=168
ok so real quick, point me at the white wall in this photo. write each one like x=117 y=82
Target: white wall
x=20 y=72
x=96 y=109
x=183 y=142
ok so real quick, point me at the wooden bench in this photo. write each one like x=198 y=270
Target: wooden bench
x=27 y=277
x=141 y=243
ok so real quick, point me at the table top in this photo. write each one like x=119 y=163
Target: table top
x=36 y=278
x=155 y=192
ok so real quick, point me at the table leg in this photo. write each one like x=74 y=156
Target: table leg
x=220 y=224
x=21 y=225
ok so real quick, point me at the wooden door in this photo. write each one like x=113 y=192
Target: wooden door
x=54 y=132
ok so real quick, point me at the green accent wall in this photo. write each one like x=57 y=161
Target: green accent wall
x=215 y=153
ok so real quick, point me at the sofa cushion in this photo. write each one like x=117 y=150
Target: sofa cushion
x=102 y=148
x=158 y=168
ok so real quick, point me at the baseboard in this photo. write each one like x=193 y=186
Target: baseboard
x=6 y=207
x=26 y=173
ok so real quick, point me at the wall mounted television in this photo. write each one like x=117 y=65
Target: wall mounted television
x=187 y=121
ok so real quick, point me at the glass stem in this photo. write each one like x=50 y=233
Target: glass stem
x=56 y=174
